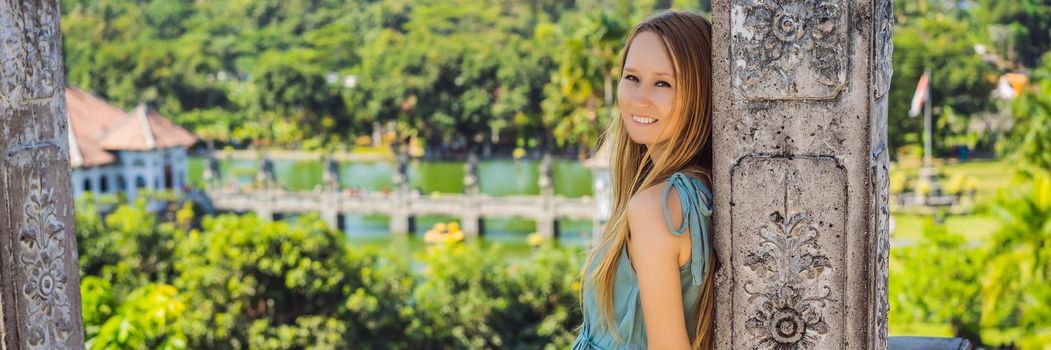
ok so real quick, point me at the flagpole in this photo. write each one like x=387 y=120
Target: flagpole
x=927 y=127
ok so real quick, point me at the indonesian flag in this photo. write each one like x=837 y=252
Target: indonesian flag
x=923 y=93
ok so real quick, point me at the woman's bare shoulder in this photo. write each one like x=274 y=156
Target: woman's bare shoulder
x=646 y=213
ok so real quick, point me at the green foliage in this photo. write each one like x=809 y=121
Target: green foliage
x=1001 y=283
x=97 y=304
x=1019 y=265
x=144 y=319
x=377 y=307
x=240 y=282
x=1019 y=29
x=540 y=73
x=1030 y=138
x=581 y=93
x=471 y=71
x=934 y=281
x=961 y=82
x=471 y=298
x=243 y=276
x=127 y=247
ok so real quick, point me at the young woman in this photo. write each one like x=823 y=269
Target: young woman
x=648 y=282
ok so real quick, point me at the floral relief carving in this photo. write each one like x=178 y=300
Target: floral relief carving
x=779 y=41
x=29 y=55
x=881 y=194
x=789 y=313
x=884 y=48
x=42 y=260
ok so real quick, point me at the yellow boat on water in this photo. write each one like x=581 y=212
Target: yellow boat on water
x=444 y=233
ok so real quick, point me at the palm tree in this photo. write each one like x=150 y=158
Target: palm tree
x=580 y=96
x=1018 y=267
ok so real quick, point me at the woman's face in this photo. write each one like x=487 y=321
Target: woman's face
x=646 y=92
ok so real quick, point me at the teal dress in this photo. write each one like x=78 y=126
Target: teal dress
x=696 y=201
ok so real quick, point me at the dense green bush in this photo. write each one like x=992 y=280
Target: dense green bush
x=935 y=280
x=249 y=278
x=472 y=298
x=1017 y=273
x=144 y=320
x=129 y=247
x=238 y=282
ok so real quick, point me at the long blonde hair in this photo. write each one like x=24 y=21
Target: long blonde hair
x=687 y=40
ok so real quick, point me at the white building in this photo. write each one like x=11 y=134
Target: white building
x=113 y=151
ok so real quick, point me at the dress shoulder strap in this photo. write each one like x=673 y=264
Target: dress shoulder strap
x=696 y=202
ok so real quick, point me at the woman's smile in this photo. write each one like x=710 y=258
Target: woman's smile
x=643 y=119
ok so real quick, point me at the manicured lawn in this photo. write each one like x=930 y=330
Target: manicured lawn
x=908 y=228
x=989 y=174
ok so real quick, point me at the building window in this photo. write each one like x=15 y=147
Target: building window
x=168 y=180
x=140 y=182
x=104 y=184
x=87 y=185
x=122 y=185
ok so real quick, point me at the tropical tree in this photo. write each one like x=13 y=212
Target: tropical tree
x=1030 y=138
x=961 y=82
x=581 y=92
x=1015 y=287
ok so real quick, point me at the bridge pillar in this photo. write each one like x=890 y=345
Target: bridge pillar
x=545 y=222
x=264 y=207
x=330 y=209
x=401 y=220
x=546 y=226
x=401 y=216
x=470 y=218
x=470 y=222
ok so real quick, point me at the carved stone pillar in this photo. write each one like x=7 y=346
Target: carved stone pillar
x=801 y=173
x=39 y=277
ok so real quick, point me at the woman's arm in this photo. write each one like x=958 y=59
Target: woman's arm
x=654 y=253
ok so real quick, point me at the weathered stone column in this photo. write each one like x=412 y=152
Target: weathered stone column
x=801 y=173
x=39 y=277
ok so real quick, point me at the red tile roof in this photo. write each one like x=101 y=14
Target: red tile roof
x=97 y=128
x=146 y=130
